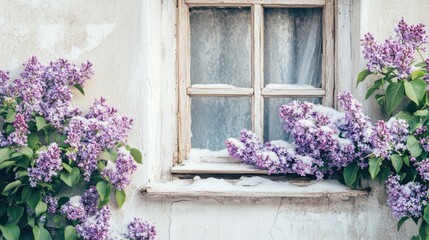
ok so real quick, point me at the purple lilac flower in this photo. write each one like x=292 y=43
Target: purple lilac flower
x=423 y=168
x=141 y=230
x=380 y=140
x=120 y=172
x=47 y=165
x=90 y=201
x=45 y=89
x=398 y=131
x=52 y=203
x=246 y=148
x=405 y=200
x=397 y=54
x=96 y=226
x=357 y=126
x=74 y=209
x=19 y=135
x=413 y=34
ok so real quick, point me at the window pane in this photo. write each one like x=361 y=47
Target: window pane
x=293 y=46
x=273 y=124
x=220 y=46
x=215 y=119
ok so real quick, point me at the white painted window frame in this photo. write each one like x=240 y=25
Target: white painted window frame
x=257 y=92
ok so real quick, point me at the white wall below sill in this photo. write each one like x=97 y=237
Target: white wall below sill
x=251 y=187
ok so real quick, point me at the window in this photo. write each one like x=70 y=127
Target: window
x=239 y=60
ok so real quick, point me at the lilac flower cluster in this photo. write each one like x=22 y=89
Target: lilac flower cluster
x=423 y=168
x=100 y=129
x=96 y=226
x=47 y=165
x=405 y=200
x=19 y=135
x=52 y=203
x=141 y=230
x=81 y=207
x=45 y=89
x=120 y=172
x=398 y=131
x=325 y=141
x=413 y=34
x=397 y=54
x=380 y=140
x=74 y=209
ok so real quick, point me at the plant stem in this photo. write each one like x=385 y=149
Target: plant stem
x=418 y=50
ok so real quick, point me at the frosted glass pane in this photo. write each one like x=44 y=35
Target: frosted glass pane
x=293 y=46
x=215 y=119
x=220 y=46
x=273 y=125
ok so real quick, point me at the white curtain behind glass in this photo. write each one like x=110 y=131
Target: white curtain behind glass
x=292 y=55
x=220 y=54
x=293 y=46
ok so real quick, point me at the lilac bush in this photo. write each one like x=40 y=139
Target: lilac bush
x=347 y=145
x=48 y=146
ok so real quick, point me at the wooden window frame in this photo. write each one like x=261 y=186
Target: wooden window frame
x=257 y=92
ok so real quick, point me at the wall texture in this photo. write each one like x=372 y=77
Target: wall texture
x=132 y=45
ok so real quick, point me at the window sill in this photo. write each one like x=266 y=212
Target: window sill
x=251 y=188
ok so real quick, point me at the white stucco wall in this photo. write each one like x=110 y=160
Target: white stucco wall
x=132 y=46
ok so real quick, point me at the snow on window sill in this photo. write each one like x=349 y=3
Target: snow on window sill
x=203 y=162
x=251 y=187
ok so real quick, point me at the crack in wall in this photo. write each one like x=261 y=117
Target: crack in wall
x=169 y=216
x=275 y=218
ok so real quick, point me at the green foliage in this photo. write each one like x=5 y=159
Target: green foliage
x=17 y=195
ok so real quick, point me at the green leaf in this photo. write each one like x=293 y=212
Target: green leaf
x=413 y=146
x=120 y=197
x=421 y=113
x=7 y=234
x=14 y=214
x=66 y=179
x=12 y=185
x=394 y=96
x=10 y=117
x=137 y=155
x=33 y=200
x=6 y=164
x=66 y=167
x=102 y=189
x=40 y=208
x=80 y=88
x=406 y=160
x=362 y=76
x=426 y=214
x=41 y=123
x=415 y=90
x=417 y=74
x=5 y=154
x=75 y=176
x=374 y=167
x=350 y=173
x=32 y=140
x=400 y=222
x=27 y=151
x=14 y=229
x=70 y=233
x=109 y=155
x=40 y=233
x=396 y=162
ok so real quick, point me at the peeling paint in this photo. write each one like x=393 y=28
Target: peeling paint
x=96 y=34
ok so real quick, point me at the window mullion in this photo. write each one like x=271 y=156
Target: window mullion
x=328 y=59
x=184 y=115
x=257 y=69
